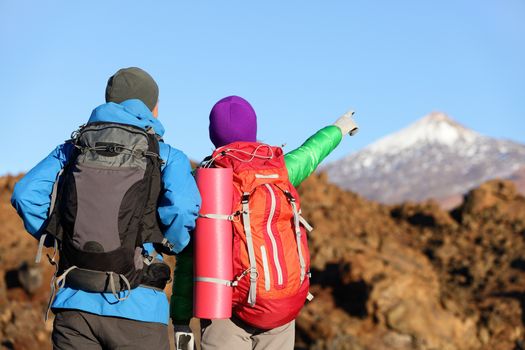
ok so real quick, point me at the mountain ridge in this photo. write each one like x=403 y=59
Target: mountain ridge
x=434 y=157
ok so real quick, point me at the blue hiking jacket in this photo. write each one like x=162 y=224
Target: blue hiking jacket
x=178 y=209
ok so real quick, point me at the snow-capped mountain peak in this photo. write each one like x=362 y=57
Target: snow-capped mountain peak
x=435 y=157
x=435 y=128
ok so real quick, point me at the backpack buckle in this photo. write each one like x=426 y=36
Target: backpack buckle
x=254 y=276
x=148 y=259
x=150 y=130
x=167 y=244
x=245 y=198
x=289 y=196
x=75 y=134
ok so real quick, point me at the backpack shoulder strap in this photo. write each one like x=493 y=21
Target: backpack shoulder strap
x=297 y=230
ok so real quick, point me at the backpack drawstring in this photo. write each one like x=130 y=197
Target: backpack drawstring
x=253 y=155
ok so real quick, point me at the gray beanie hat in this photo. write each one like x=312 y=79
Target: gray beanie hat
x=130 y=83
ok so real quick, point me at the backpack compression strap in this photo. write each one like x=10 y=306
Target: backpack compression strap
x=52 y=261
x=251 y=254
x=297 y=221
x=52 y=203
x=221 y=281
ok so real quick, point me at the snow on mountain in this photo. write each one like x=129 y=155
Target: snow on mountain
x=435 y=157
x=434 y=128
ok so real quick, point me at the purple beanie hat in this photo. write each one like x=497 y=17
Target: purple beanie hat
x=232 y=119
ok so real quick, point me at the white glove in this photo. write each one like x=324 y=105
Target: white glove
x=347 y=124
x=184 y=339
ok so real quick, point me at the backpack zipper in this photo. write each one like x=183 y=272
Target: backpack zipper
x=93 y=128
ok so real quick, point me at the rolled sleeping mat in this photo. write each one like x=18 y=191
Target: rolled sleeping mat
x=213 y=263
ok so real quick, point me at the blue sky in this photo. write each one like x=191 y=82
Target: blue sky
x=300 y=63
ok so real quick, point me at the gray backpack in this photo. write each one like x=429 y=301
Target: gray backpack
x=106 y=209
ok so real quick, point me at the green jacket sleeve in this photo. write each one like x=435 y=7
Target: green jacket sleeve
x=181 y=304
x=303 y=161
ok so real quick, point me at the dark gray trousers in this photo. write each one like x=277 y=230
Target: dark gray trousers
x=73 y=329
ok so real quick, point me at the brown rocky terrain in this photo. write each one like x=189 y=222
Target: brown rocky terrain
x=414 y=276
x=519 y=179
x=410 y=276
x=21 y=310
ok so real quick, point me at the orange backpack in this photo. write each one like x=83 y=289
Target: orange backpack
x=271 y=261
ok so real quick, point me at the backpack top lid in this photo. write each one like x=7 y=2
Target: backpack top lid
x=253 y=163
x=243 y=156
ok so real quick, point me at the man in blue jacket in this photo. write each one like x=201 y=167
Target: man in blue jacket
x=90 y=320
